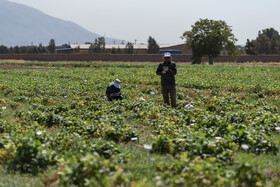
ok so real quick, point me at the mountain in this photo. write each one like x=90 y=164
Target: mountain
x=23 y=25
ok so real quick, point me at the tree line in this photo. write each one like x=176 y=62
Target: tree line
x=98 y=46
x=267 y=42
x=207 y=38
x=50 y=49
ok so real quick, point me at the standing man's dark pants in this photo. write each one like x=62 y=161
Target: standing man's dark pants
x=169 y=90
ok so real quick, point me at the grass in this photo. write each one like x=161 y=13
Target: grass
x=142 y=164
x=19 y=180
x=267 y=163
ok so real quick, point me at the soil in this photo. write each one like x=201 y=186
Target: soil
x=8 y=67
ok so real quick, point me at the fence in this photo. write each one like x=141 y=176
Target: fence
x=131 y=58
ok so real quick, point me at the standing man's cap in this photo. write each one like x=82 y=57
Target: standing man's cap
x=167 y=55
x=117 y=83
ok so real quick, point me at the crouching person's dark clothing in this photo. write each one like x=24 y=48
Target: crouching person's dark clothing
x=111 y=90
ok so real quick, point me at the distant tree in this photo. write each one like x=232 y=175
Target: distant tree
x=77 y=49
x=41 y=48
x=91 y=48
x=209 y=37
x=274 y=38
x=153 y=47
x=65 y=46
x=98 y=46
x=16 y=50
x=119 y=51
x=129 y=48
x=101 y=43
x=278 y=47
x=94 y=48
x=51 y=47
x=23 y=49
x=267 y=42
x=27 y=49
x=10 y=50
x=262 y=44
x=32 y=49
x=4 y=49
x=114 y=51
x=249 y=47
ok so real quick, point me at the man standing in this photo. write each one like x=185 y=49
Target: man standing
x=167 y=70
x=113 y=90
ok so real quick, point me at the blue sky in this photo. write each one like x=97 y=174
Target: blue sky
x=164 y=20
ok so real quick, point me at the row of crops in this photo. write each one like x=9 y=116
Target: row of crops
x=57 y=126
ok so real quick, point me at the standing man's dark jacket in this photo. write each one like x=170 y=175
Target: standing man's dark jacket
x=169 y=77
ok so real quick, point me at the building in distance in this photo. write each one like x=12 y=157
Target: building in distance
x=137 y=48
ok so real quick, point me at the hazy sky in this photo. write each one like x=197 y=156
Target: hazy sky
x=164 y=20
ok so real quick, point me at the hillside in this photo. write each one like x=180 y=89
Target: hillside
x=23 y=25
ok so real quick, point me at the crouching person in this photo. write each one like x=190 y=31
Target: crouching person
x=113 y=90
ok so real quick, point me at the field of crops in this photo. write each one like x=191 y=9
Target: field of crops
x=58 y=129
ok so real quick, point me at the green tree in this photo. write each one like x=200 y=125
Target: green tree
x=77 y=49
x=91 y=48
x=249 y=47
x=32 y=49
x=267 y=42
x=98 y=46
x=153 y=47
x=41 y=48
x=4 y=49
x=274 y=38
x=114 y=51
x=16 y=50
x=129 y=48
x=51 y=46
x=262 y=44
x=119 y=51
x=65 y=46
x=23 y=49
x=102 y=43
x=209 y=37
